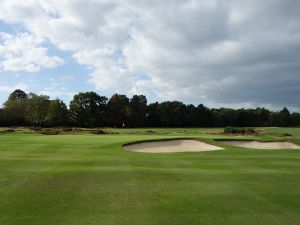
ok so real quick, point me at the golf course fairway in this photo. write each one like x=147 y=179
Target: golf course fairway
x=86 y=179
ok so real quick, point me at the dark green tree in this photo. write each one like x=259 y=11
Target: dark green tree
x=152 y=115
x=17 y=95
x=3 y=119
x=203 y=116
x=137 y=110
x=285 y=117
x=37 y=109
x=15 y=108
x=171 y=113
x=118 y=111
x=295 y=117
x=262 y=117
x=57 y=113
x=88 y=109
x=190 y=116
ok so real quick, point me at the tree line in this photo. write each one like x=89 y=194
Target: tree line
x=89 y=109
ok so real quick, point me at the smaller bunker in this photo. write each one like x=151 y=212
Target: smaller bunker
x=263 y=145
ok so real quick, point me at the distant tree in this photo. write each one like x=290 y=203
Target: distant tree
x=203 y=116
x=262 y=117
x=57 y=113
x=229 y=116
x=190 y=116
x=118 y=110
x=274 y=119
x=217 y=119
x=152 y=115
x=171 y=113
x=2 y=118
x=137 y=110
x=88 y=109
x=285 y=117
x=295 y=117
x=37 y=109
x=15 y=108
x=244 y=118
x=91 y=110
x=17 y=95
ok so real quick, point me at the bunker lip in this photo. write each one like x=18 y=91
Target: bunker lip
x=262 y=144
x=170 y=146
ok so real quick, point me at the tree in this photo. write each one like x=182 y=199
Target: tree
x=229 y=116
x=295 y=119
x=285 y=117
x=37 y=109
x=190 y=116
x=17 y=95
x=203 y=116
x=2 y=118
x=152 y=115
x=171 y=113
x=88 y=109
x=217 y=119
x=137 y=110
x=57 y=113
x=118 y=110
x=15 y=108
x=262 y=117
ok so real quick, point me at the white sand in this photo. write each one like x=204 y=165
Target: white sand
x=263 y=145
x=171 y=146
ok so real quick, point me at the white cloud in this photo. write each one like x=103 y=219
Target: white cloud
x=56 y=93
x=61 y=81
x=9 y=89
x=23 y=52
x=225 y=52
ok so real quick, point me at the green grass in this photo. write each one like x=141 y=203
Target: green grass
x=89 y=180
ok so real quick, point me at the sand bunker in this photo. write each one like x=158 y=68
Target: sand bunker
x=171 y=146
x=263 y=145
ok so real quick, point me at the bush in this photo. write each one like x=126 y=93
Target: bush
x=150 y=132
x=76 y=129
x=36 y=128
x=67 y=129
x=9 y=131
x=229 y=130
x=239 y=130
x=97 y=132
x=250 y=131
x=50 y=131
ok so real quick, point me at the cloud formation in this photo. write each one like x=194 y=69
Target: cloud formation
x=9 y=89
x=220 y=52
x=23 y=52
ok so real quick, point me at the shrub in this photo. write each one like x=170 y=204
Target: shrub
x=250 y=131
x=239 y=130
x=76 y=129
x=50 y=131
x=67 y=129
x=36 y=128
x=97 y=131
x=150 y=132
x=9 y=130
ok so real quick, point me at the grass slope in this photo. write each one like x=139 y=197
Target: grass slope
x=90 y=180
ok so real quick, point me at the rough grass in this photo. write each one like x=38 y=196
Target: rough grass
x=88 y=179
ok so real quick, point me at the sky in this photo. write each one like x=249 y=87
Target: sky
x=222 y=53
